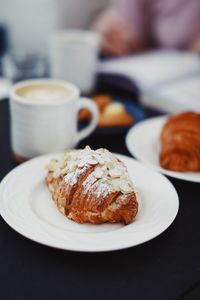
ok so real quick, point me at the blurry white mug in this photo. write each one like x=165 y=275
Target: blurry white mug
x=73 y=57
x=44 y=117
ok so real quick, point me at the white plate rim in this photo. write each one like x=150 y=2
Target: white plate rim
x=24 y=233
x=186 y=176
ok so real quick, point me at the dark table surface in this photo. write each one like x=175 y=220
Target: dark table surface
x=167 y=267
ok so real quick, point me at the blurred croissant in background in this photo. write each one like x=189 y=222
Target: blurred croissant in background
x=180 y=143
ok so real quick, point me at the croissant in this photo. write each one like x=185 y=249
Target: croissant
x=180 y=143
x=92 y=186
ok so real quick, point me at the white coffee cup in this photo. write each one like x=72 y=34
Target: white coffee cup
x=73 y=57
x=44 y=117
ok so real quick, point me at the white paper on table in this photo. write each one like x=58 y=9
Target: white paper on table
x=168 y=80
x=181 y=95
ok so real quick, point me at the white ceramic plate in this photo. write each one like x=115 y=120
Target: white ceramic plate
x=142 y=141
x=26 y=205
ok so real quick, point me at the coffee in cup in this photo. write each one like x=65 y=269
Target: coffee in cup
x=44 y=117
x=44 y=93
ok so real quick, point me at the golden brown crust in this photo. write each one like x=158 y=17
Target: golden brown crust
x=180 y=143
x=111 y=113
x=121 y=119
x=90 y=199
x=101 y=101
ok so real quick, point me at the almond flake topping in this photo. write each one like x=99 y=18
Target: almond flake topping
x=109 y=173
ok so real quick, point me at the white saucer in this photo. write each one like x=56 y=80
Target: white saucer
x=142 y=141
x=26 y=205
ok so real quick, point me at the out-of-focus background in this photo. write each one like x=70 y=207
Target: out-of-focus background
x=168 y=79
x=31 y=23
x=26 y=29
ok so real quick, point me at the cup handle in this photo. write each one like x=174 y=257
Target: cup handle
x=92 y=107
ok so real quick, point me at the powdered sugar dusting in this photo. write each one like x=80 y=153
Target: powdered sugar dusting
x=90 y=180
x=72 y=177
x=103 y=189
x=110 y=173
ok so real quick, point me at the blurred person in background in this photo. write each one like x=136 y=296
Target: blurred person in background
x=129 y=26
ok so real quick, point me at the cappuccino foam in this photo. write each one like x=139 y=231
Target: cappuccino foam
x=44 y=92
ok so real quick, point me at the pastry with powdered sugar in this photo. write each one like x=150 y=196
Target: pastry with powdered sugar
x=92 y=186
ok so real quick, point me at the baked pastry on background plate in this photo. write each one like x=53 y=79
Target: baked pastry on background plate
x=180 y=143
x=101 y=101
x=112 y=113
x=92 y=186
x=115 y=114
